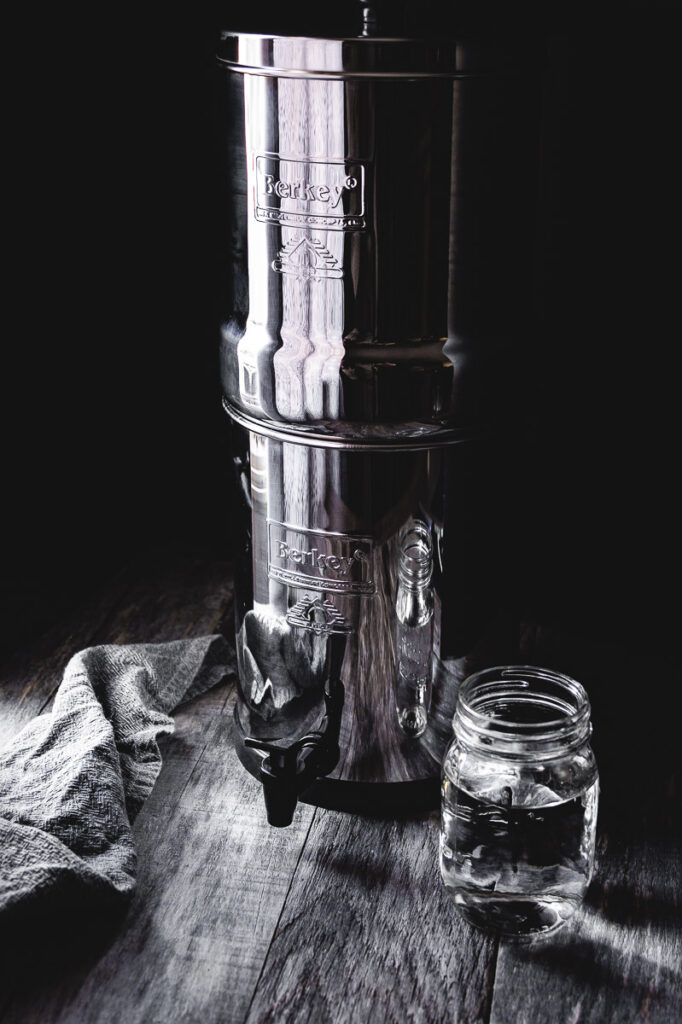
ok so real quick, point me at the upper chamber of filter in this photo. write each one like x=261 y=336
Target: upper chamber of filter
x=379 y=216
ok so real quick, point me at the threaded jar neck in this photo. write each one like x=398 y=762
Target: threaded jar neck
x=416 y=557
x=522 y=713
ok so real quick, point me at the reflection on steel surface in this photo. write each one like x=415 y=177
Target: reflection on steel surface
x=383 y=211
x=414 y=628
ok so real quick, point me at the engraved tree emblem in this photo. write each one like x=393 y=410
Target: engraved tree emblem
x=318 y=616
x=307 y=258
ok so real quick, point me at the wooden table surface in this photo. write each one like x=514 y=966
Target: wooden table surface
x=343 y=918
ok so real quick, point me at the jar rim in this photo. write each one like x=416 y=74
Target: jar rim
x=529 y=686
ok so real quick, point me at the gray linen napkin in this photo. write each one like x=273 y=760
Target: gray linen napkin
x=73 y=780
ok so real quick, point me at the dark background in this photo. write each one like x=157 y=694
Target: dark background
x=114 y=442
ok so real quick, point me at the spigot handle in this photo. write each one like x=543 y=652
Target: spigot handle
x=269 y=745
x=288 y=771
x=280 y=759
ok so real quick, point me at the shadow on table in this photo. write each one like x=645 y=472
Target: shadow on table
x=47 y=940
x=620 y=905
x=596 y=965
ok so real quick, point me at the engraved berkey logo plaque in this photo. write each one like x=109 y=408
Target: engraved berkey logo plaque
x=326 y=194
x=316 y=560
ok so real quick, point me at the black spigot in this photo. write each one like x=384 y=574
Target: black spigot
x=288 y=770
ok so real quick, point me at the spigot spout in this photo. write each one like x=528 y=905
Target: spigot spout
x=288 y=771
x=281 y=796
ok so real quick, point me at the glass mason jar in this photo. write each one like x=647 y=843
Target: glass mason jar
x=519 y=800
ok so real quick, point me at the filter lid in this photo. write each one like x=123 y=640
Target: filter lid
x=371 y=57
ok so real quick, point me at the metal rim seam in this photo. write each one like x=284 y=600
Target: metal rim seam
x=293 y=435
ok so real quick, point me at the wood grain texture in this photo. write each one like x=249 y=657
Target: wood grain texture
x=212 y=882
x=368 y=933
x=619 y=959
x=213 y=876
x=158 y=599
x=29 y=677
x=343 y=918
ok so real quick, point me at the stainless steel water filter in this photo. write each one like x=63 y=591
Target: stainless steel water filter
x=381 y=195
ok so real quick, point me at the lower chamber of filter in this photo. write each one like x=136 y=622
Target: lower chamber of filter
x=373 y=799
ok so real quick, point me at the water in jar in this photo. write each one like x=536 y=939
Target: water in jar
x=519 y=864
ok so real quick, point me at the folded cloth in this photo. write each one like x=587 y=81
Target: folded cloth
x=74 y=779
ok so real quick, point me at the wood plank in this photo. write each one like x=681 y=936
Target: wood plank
x=369 y=934
x=212 y=883
x=173 y=597
x=165 y=599
x=213 y=875
x=159 y=598
x=342 y=918
x=619 y=959
x=32 y=673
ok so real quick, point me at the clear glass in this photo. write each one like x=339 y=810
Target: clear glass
x=519 y=800
x=414 y=629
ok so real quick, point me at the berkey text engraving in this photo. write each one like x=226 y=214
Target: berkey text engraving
x=328 y=194
x=318 y=560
